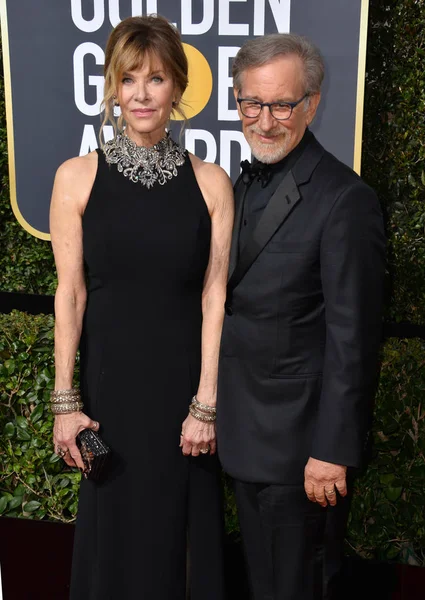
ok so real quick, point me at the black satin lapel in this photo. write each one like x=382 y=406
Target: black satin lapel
x=240 y=195
x=280 y=205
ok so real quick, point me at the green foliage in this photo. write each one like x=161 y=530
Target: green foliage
x=394 y=145
x=387 y=516
x=34 y=482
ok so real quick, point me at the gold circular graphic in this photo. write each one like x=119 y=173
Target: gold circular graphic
x=199 y=89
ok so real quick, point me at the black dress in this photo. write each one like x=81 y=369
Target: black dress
x=146 y=251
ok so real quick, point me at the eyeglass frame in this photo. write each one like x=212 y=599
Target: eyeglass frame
x=292 y=105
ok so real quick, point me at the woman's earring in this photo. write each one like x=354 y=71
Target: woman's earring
x=116 y=103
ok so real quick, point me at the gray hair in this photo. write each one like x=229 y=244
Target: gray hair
x=259 y=51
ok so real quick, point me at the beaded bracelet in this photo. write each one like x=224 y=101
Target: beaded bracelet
x=63 y=402
x=65 y=393
x=200 y=416
x=203 y=407
x=62 y=399
x=64 y=408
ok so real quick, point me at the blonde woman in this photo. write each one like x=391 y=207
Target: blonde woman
x=141 y=234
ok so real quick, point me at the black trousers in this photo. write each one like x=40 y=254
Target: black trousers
x=293 y=547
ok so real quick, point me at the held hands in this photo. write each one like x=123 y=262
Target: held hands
x=197 y=437
x=322 y=480
x=65 y=430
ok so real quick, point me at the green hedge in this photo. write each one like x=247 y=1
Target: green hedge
x=387 y=519
x=393 y=160
x=33 y=481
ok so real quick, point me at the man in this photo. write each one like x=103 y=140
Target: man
x=301 y=336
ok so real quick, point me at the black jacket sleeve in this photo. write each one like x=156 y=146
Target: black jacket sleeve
x=352 y=256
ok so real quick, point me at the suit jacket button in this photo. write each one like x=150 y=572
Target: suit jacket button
x=228 y=310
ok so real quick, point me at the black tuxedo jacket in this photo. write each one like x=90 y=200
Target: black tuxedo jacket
x=299 y=351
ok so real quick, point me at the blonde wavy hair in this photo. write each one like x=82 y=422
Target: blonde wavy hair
x=129 y=44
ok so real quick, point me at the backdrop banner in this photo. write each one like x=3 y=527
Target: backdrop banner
x=53 y=55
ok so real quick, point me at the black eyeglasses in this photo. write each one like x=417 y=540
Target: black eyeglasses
x=279 y=110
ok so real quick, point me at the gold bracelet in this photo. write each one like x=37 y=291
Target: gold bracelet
x=201 y=416
x=66 y=399
x=69 y=392
x=64 y=408
x=58 y=396
x=203 y=407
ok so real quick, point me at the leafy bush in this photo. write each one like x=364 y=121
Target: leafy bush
x=34 y=482
x=393 y=146
x=387 y=518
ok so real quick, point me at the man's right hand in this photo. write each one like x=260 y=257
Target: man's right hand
x=322 y=480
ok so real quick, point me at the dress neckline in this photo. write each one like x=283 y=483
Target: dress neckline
x=142 y=164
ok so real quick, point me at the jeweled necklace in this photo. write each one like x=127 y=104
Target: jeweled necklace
x=157 y=164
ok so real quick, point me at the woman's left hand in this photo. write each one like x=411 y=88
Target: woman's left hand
x=197 y=437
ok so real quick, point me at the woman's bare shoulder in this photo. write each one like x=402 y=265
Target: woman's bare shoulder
x=215 y=185
x=74 y=181
x=209 y=172
x=79 y=166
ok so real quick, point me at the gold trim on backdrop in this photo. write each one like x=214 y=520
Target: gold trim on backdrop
x=9 y=126
x=361 y=75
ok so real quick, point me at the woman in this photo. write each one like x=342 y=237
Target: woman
x=141 y=235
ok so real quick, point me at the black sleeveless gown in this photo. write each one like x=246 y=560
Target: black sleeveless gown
x=146 y=252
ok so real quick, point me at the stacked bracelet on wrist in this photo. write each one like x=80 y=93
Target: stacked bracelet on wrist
x=202 y=412
x=63 y=402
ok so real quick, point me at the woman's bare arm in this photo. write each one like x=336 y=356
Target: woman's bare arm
x=71 y=190
x=217 y=190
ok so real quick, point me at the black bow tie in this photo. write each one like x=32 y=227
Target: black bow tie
x=258 y=170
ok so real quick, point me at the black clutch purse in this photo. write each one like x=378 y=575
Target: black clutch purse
x=95 y=454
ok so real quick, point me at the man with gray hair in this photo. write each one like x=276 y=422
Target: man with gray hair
x=302 y=331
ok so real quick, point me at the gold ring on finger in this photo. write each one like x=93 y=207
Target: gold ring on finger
x=204 y=450
x=329 y=492
x=61 y=452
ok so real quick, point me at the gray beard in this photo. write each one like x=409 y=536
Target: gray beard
x=270 y=157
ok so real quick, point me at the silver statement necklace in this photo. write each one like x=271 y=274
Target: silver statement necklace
x=147 y=166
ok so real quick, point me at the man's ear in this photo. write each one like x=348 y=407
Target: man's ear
x=236 y=95
x=313 y=103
